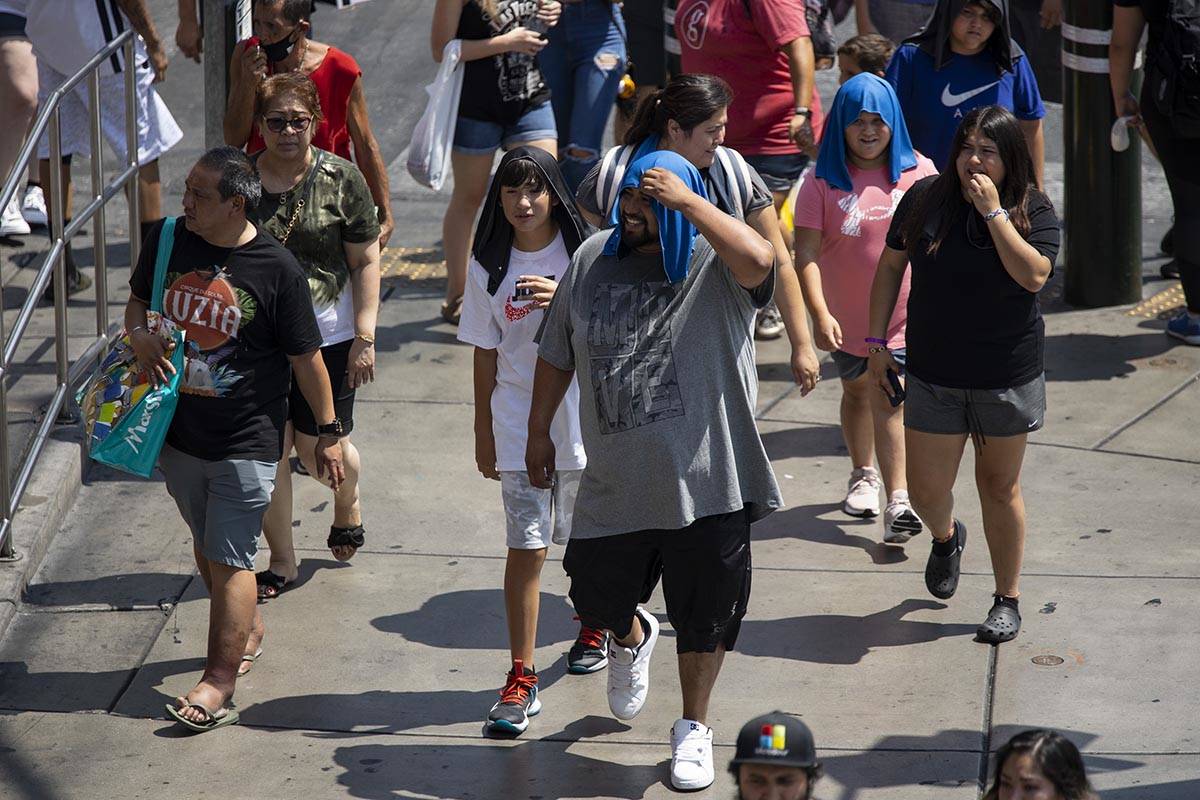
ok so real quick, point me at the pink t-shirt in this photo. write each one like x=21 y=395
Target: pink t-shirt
x=719 y=37
x=854 y=228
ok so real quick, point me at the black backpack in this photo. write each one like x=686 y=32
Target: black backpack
x=1175 y=81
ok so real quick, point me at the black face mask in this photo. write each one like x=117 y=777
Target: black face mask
x=278 y=51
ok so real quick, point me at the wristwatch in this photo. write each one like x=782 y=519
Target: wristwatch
x=333 y=429
x=802 y=111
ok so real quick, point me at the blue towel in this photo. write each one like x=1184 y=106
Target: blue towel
x=676 y=233
x=863 y=92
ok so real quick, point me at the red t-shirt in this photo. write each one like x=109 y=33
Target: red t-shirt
x=334 y=77
x=719 y=37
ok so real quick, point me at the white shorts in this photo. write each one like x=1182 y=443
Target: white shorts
x=536 y=517
x=157 y=130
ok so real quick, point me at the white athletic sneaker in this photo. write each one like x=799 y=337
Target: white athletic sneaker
x=33 y=207
x=862 y=495
x=900 y=522
x=629 y=670
x=11 y=222
x=691 y=755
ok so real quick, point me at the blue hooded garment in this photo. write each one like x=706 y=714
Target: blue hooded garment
x=675 y=233
x=863 y=92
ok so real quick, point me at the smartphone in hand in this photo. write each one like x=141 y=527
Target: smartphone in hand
x=897 y=395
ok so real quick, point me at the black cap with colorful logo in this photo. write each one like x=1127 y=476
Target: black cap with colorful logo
x=778 y=739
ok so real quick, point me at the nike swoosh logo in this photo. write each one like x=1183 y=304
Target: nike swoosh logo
x=950 y=100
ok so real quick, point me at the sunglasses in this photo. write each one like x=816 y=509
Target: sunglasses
x=280 y=124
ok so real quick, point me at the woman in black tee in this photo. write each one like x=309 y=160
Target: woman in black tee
x=504 y=104
x=982 y=242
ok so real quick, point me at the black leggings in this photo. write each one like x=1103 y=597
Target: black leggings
x=1181 y=162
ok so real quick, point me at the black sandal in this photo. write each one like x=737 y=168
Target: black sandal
x=941 y=572
x=1003 y=623
x=270 y=584
x=346 y=537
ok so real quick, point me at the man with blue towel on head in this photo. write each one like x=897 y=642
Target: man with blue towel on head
x=656 y=318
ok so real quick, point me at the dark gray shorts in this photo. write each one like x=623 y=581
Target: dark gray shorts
x=991 y=412
x=851 y=367
x=222 y=502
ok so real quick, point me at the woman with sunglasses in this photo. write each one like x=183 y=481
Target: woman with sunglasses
x=319 y=207
x=982 y=241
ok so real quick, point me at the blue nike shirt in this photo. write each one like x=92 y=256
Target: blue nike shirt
x=935 y=101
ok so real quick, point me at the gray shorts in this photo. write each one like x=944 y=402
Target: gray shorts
x=223 y=502
x=851 y=367
x=536 y=517
x=989 y=412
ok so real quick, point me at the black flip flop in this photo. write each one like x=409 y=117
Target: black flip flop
x=941 y=572
x=1003 y=623
x=354 y=536
x=270 y=584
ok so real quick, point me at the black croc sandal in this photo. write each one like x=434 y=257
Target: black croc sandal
x=270 y=584
x=941 y=572
x=346 y=537
x=1003 y=623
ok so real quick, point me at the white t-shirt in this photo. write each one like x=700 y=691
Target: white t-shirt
x=498 y=322
x=67 y=33
x=336 y=320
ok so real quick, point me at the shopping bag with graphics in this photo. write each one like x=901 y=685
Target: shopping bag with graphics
x=125 y=416
x=429 y=150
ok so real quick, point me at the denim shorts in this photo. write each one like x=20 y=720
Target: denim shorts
x=851 y=367
x=779 y=171
x=222 y=502
x=930 y=408
x=478 y=138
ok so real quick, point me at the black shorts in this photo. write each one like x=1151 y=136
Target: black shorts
x=337 y=359
x=705 y=571
x=11 y=26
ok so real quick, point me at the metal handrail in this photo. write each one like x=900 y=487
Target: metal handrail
x=53 y=267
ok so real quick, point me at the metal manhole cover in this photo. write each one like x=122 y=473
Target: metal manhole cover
x=1047 y=661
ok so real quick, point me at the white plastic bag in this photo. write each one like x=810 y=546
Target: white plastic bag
x=429 y=151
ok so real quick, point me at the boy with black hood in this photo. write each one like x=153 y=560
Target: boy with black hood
x=526 y=236
x=965 y=57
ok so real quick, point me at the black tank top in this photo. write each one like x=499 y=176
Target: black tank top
x=502 y=88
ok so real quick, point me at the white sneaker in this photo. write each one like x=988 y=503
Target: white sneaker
x=629 y=670
x=691 y=755
x=33 y=207
x=11 y=222
x=862 y=495
x=900 y=522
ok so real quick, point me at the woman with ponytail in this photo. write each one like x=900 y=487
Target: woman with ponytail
x=688 y=117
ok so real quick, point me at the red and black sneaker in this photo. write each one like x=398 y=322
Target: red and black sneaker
x=518 y=702
x=590 y=651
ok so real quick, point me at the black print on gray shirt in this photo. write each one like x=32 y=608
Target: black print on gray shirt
x=629 y=347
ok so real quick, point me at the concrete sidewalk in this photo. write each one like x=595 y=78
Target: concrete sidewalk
x=377 y=674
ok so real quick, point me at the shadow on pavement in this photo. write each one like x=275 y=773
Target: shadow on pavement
x=527 y=768
x=384 y=711
x=1099 y=357
x=119 y=592
x=805 y=522
x=70 y=692
x=804 y=442
x=473 y=619
x=1175 y=790
x=844 y=639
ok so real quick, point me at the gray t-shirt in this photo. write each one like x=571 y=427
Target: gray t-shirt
x=667 y=387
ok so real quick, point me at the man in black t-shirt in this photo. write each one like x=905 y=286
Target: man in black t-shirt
x=244 y=306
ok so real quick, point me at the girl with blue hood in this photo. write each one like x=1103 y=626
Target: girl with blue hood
x=865 y=165
x=965 y=58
